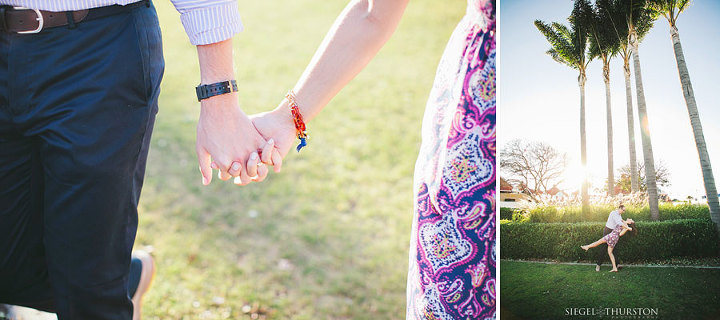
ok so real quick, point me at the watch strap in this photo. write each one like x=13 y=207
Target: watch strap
x=205 y=91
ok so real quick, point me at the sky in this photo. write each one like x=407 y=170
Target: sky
x=539 y=99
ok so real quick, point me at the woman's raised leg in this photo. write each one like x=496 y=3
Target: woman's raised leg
x=594 y=244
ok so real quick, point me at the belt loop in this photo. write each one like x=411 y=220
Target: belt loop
x=147 y=3
x=70 y=19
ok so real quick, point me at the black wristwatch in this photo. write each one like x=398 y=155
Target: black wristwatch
x=205 y=91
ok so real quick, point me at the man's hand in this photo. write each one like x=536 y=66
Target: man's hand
x=227 y=138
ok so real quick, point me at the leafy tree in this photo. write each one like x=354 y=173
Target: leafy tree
x=671 y=9
x=604 y=45
x=615 y=13
x=637 y=13
x=568 y=46
x=662 y=177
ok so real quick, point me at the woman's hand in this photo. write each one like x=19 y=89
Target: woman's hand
x=278 y=126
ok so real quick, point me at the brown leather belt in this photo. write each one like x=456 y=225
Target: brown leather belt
x=24 y=20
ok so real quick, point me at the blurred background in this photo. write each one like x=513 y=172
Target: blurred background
x=327 y=238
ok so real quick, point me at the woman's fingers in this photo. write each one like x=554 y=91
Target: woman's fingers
x=276 y=159
x=267 y=152
x=252 y=165
x=262 y=172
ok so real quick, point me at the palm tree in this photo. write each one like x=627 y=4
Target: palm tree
x=614 y=14
x=671 y=9
x=604 y=44
x=635 y=11
x=568 y=46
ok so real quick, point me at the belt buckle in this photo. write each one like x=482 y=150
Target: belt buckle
x=39 y=19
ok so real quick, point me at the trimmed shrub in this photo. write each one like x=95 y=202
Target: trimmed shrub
x=599 y=213
x=506 y=213
x=654 y=241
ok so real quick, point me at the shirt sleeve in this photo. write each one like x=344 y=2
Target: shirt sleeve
x=209 y=21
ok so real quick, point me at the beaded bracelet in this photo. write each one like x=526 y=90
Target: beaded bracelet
x=300 y=129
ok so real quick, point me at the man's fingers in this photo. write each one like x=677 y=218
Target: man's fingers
x=252 y=165
x=234 y=169
x=224 y=175
x=276 y=160
x=205 y=170
x=243 y=179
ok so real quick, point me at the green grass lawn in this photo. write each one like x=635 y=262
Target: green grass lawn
x=328 y=237
x=544 y=291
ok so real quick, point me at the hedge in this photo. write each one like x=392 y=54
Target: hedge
x=506 y=213
x=599 y=213
x=654 y=241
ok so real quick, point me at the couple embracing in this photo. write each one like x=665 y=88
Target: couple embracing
x=615 y=227
x=79 y=86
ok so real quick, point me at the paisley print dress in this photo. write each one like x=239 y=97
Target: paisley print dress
x=452 y=249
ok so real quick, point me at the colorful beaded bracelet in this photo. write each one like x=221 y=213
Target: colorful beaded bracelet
x=300 y=129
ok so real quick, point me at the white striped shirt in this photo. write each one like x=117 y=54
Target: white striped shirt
x=205 y=21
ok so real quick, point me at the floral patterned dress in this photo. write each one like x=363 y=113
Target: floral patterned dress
x=452 y=248
x=613 y=237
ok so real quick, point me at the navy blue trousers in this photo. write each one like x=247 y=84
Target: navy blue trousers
x=77 y=107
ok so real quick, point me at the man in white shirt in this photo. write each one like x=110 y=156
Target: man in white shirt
x=614 y=219
x=79 y=83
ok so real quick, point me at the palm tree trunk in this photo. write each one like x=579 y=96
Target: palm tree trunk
x=611 y=171
x=634 y=185
x=645 y=133
x=710 y=189
x=583 y=146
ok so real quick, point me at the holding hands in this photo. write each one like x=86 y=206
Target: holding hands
x=229 y=141
x=240 y=146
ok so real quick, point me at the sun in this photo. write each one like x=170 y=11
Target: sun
x=573 y=177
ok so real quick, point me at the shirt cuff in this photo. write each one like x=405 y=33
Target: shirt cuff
x=212 y=24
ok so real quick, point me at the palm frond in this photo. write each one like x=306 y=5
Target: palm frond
x=638 y=15
x=604 y=42
x=569 y=44
x=561 y=44
x=670 y=9
x=559 y=58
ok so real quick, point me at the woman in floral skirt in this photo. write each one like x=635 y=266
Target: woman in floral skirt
x=452 y=250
